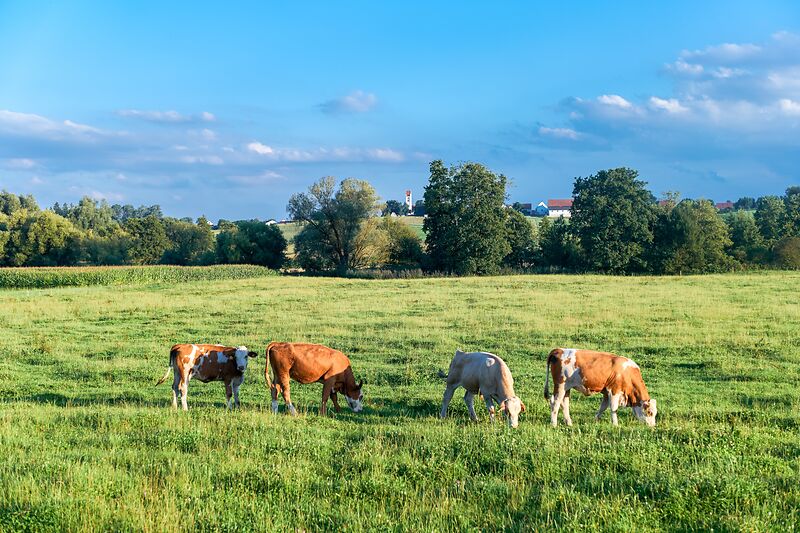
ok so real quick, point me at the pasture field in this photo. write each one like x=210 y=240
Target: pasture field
x=89 y=443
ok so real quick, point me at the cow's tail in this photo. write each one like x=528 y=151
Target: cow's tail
x=547 y=377
x=266 y=366
x=173 y=354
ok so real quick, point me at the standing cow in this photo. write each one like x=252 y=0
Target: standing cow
x=311 y=363
x=482 y=373
x=206 y=362
x=618 y=378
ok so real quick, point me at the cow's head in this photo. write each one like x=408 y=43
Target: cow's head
x=240 y=356
x=355 y=397
x=512 y=407
x=646 y=412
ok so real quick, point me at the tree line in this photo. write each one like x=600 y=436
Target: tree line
x=93 y=232
x=617 y=227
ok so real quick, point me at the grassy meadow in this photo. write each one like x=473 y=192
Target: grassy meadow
x=89 y=443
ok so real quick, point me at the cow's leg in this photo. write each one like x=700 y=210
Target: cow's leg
x=489 y=407
x=603 y=406
x=274 y=391
x=558 y=397
x=469 y=399
x=184 y=387
x=236 y=384
x=565 y=407
x=335 y=400
x=287 y=397
x=228 y=394
x=615 y=400
x=176 y=382
x=448 y=395
x=327 y=389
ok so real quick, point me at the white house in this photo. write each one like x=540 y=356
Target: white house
x=559 y=208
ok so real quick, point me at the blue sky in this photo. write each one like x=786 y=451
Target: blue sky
x=226 y=109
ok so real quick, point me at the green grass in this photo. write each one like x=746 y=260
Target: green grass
x=49 y=277
x=88 y=442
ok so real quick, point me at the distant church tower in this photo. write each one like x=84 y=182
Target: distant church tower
x=409 y=203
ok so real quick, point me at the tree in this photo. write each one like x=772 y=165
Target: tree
x=771 y=218
x=792 y=206
x=39 y=238
x=612 y=216
x=190 y=244
x=335 y=215
x=9 y=203
x=393 y=206
x=519 y=232
x=787 y=253
x=419 y=208
x=89 y=216
x=404 y=245
x=745 y=202
x=696 y=240
x=148 y=240
x=558 y=245
x=465 y=223
x=251 y=242
x=747 y=246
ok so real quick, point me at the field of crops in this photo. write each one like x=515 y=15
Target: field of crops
x=48 y=277
x=89 y=443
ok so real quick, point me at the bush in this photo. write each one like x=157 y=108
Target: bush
x=786 y=253
x=251 y=242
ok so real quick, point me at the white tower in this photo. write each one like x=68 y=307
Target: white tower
x=409 y=203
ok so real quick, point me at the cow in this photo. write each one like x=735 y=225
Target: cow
x=312 y=363
x=482 y=373
x=619 y=379
x=206 y=362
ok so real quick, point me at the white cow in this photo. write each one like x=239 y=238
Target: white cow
x=482 y=373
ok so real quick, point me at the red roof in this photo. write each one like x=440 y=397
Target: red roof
x=725 y=205
x=559 y=204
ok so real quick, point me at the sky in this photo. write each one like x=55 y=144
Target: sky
x=225 y=109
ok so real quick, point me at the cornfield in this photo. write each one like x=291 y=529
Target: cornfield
x=47 y=277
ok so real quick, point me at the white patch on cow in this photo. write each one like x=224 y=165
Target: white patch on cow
x=490 y=362
x=355 y=405
x=568 y=352
x=222 y=358
x=241 y=358
x=628 y=363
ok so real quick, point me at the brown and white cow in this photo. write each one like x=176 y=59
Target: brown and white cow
x=206 y=362
x=311 y=363
x=617 y=378
x=487 y=374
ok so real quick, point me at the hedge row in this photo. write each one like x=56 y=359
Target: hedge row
x=46 y=277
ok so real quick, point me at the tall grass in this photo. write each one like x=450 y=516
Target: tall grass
x=88 y=443
x=47 y=277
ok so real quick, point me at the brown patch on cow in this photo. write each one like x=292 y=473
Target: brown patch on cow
x=607 y=371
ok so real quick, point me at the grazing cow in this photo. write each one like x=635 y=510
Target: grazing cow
x=311 y=363
x=618 y=378
x=486 y=374
x=206 y=362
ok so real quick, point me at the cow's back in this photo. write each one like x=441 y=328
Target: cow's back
x=307 y=362
x=477 y=370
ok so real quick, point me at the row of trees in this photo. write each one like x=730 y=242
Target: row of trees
x=96 y=233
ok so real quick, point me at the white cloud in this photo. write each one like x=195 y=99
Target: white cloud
x=166 y=117
x=671 y=105
x=559 y=133
x=15 y=124
x=36 y=180
x=614 y=100
x=355 y=102
x=268 y=176
x=300 y=155
x=110 y=196
x=20 y=163
x=790 y=107
x=202 y=159
x=259 y=148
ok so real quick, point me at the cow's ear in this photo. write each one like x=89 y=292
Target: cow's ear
x=503 y=405
x=523 y=406
x=230 y=353
x=252 y=354
x=360 y=383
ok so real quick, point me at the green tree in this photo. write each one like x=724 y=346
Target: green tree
x=148 y=240
x=393 y=206
x=558 y=246
x=786 y=253
x=189 y=243
x=747 y=246
x=745 y=202
x=521 y=240
x=335 y=215
x=792 y=206
x=9 y=203
x=771 y=218
x=90 y=216
x=39 y=238
x=404 y=245
x=612 y=216
x=696 y=240
x=419 y=208
x=465 y=222
x=251 y=242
